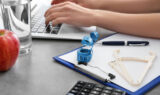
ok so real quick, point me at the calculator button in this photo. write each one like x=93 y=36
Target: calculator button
x=91 y=94
x=86 y=90
x=119 y=91
x=108 y=88
x=74 y=91
x=115 y=93
x=79 y=85
x=77 y=88
x=97 y=89
x=104 y=94
x=81 y=82
x=95 y=92
x=82 y=93
x=99 y=86
x=89 y=86
x=106 y=91
x=71 y=94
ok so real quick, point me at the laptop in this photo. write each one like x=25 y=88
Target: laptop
x=61 y=31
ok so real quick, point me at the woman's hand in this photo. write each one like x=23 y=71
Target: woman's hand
x=60 y=1
x=70 y=13
x=85 y=3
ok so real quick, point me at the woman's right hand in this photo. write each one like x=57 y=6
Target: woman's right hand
x=71 y=13
x=93 y=4
x=60 y=1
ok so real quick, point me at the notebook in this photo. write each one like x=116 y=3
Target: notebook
x=104 y=54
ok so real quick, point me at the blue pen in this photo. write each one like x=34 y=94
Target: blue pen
x=125 y=43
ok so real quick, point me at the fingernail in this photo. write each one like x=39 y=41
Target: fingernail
x=52 y=23
x=46 y=22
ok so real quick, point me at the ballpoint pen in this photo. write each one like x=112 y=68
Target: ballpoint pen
x=125 y=43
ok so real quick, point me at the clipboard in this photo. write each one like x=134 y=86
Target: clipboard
x=140 y=91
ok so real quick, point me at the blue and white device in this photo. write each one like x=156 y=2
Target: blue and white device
x=84 y=54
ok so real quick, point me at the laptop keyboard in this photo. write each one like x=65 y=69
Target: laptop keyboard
x=38 y=25
x=61 y=31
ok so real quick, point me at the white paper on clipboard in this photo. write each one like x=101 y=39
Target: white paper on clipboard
x=104 y=54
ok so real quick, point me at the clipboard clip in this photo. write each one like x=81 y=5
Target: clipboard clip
x=109 y=76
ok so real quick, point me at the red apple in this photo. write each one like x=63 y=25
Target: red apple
x=9 y=49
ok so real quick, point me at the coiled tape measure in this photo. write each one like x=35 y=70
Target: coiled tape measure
x=84 y=54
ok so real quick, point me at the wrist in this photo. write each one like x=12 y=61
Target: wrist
x=98 y=17
x=94 y=4
x=108 y=19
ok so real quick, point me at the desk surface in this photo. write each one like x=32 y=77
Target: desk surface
x=38 y=74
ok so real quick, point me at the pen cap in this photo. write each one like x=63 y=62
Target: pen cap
x=87 y=41
x=94 y=36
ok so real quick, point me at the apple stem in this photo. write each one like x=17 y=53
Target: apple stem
x=1 y=33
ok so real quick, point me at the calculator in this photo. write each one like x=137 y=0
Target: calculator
x=86 y=88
